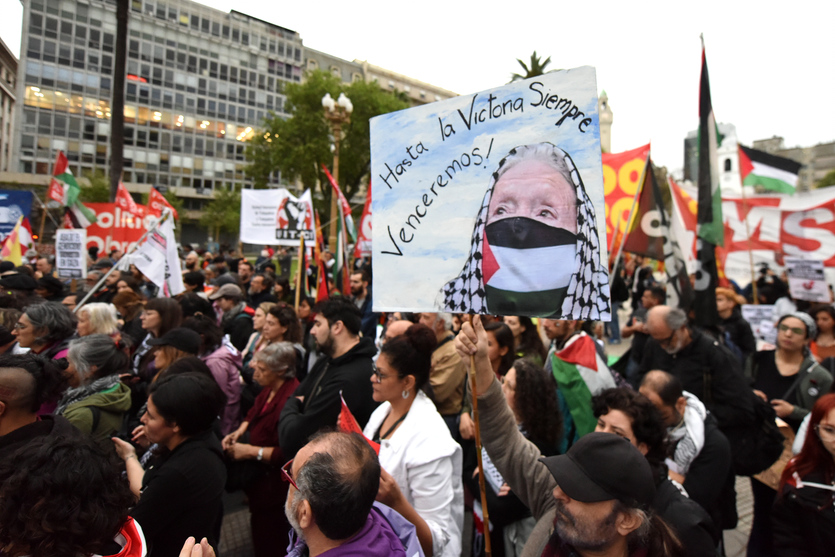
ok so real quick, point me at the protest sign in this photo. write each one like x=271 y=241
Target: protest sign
x=761 y=319
x=807 y=280
x=13 y=205
x=158 y=260
x=115 y=228
x=493 y=202
x=71 y=253
x=276 y=217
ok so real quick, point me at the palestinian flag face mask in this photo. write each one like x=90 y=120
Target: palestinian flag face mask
x=527 y=266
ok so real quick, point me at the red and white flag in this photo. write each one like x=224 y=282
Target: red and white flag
x=157 y=202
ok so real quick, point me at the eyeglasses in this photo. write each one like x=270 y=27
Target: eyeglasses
x=827 y=431
x=666 y=341
x=795 y=330
x=377 y=373
x=286 y=474
x=19 y=326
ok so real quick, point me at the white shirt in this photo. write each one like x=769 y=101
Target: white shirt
x=425 y=462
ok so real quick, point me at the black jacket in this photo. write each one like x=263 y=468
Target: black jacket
x=350 y=373
x=708 y=370
x=690 y=522
x=803 y=520
x=46 y=426
x=740 y=333
x=182 y=495
x=710 y=480
x=256 y=300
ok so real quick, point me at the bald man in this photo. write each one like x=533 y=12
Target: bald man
x=26 y=382
x=704 y=367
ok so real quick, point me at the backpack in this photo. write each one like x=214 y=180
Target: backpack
x=757 y=445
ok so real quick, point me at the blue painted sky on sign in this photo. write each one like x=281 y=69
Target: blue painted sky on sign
x=411 y=149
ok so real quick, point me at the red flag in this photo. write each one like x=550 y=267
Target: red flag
x=348 y=424
x=346 y=207
x=322 y=276
x=157 y=202
x=363 y=246
x=124 y=200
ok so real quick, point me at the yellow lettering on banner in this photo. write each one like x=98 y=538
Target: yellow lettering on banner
x=610 y=179
x=629 y=176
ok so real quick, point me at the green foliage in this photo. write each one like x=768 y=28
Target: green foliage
x=223 y=212
x=827 y=180
x=300 y=144
x=537 y=67
x=99 y=189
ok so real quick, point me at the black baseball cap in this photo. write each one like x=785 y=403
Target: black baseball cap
x=180 y=338
x=601 y=467
x=19 y=281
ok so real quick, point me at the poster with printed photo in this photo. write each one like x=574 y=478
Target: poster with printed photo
x=492 y=203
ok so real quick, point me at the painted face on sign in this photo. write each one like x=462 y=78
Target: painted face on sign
x=535 y=190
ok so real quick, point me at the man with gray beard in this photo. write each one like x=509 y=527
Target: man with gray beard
x=705 y=368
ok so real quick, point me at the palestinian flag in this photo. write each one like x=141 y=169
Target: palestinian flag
x=581 y=374
x=345 y=207
x=711 y=229
x=341 y=278
x=64 y=190
x=518 y=266
x=321 y=274
x=348 y=423
x=770 y=172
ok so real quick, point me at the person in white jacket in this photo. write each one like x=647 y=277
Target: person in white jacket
x=421 y=477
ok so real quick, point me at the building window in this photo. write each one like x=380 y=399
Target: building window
x=728 y=165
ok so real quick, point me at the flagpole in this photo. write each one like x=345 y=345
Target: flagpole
x=481 y=486
x=166 y=213
x=631 y=212
x=299 y=272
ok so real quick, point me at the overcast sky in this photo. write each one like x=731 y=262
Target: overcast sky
x=771 y=64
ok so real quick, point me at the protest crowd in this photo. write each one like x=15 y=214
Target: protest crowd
x=123 y=420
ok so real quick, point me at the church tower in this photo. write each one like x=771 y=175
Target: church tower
x=604 y=113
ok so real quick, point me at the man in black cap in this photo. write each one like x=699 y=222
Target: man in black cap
x=181 y=338
x=594 y=500
x=22 y=288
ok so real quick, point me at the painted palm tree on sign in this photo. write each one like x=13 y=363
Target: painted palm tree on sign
x=537 y=67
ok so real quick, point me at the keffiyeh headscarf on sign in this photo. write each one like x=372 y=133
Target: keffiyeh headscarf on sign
x=520 y=266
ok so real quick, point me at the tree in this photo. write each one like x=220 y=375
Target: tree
x=299 y=145
x=827 y=180
x=223 y=212
x=98 y=191
x=536 y=68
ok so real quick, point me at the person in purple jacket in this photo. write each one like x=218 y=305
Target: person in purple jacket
x=334 y=480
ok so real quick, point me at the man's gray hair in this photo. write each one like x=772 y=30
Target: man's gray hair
x=54 y=319
x=446 y=318
x=675 y=319
x=278 y=357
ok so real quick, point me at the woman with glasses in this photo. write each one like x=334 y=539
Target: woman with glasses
x=790 y=379
x=421 y=463
x=255 y=443
x=159 y=316
x=803 y=518
x=46 y=330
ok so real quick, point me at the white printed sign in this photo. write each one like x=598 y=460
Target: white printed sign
x=276 y=217
x=71 y=253
x=807 y=280
x=761 y=319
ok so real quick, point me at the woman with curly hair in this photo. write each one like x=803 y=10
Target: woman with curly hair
x=531 y=394
x=66 y=496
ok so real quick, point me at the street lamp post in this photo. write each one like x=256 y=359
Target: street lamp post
x=337 y=113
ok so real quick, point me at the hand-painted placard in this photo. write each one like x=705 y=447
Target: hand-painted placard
x=492 y=203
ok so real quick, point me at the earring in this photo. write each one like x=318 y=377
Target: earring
x=406 y=394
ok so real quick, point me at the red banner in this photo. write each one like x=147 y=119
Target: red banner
x=621 y=179
x=116 y=228
x=363 y=246
x=157 y=202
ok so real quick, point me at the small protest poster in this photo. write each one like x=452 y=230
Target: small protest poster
x=806 y=279
x=71 y=253
x=276 y=217
x=761 y=319
x=492 y=203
